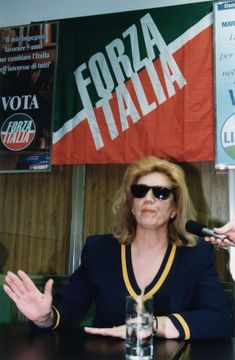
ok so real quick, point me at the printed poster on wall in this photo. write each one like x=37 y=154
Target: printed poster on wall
x=27 y=63
x=135 y=83
x=224 y=38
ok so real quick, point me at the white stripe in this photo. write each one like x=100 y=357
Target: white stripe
x=173 y=46
x=191 y=33
x=69 y=126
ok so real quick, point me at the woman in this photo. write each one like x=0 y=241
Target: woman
x=149 y=252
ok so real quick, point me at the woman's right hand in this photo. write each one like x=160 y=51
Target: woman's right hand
x=32 y=303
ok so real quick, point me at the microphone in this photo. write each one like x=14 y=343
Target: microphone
x=201 y=230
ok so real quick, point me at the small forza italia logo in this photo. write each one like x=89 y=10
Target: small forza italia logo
x=18 y=131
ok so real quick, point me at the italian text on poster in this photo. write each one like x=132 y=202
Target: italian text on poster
x=27 y=64
x=224 y=34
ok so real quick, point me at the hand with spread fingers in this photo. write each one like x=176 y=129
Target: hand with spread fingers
x=32 y=303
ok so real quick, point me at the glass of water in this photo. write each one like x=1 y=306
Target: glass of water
x=139 y=328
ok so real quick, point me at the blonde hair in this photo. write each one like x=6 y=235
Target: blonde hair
x=124 y=225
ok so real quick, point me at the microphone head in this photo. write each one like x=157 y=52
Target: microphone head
x=195 y=228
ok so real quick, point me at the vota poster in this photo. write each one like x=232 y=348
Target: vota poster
x=27 y=68
x=224 y=53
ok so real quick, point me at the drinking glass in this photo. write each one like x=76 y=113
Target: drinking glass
x=139 y=328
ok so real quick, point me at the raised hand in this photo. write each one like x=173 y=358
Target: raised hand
x=32 y=303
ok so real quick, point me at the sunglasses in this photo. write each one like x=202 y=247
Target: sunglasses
x=159 y=192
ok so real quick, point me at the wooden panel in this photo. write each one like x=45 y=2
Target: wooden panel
x=209 y=191
x=102 y=182
x=35 y=211
x=208 y=188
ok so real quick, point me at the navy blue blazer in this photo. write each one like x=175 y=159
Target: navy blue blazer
x=186 y=288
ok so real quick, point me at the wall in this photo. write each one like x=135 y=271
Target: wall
x=17 y=12
x=45 y=248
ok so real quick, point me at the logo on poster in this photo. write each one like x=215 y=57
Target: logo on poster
x=228 y=136
x=18 y=131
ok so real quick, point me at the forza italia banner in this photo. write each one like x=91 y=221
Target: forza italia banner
x=133 y=84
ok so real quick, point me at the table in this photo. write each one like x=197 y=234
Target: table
x=17 y=342
x=209 y=350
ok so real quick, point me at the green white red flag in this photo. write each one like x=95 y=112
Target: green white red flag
x=133 y=84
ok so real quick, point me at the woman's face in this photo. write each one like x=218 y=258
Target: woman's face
x=149 y=211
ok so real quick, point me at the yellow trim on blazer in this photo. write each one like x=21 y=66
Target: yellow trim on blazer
x=57 y=317
x=159 y=282
x=184 y=326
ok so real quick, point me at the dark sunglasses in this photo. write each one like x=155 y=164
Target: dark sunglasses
x=160 y=192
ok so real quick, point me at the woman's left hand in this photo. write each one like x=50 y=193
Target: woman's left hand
x=116 y=331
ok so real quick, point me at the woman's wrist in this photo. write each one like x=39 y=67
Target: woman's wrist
x=45 y=320
x=155 y=325
x=166 y=328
